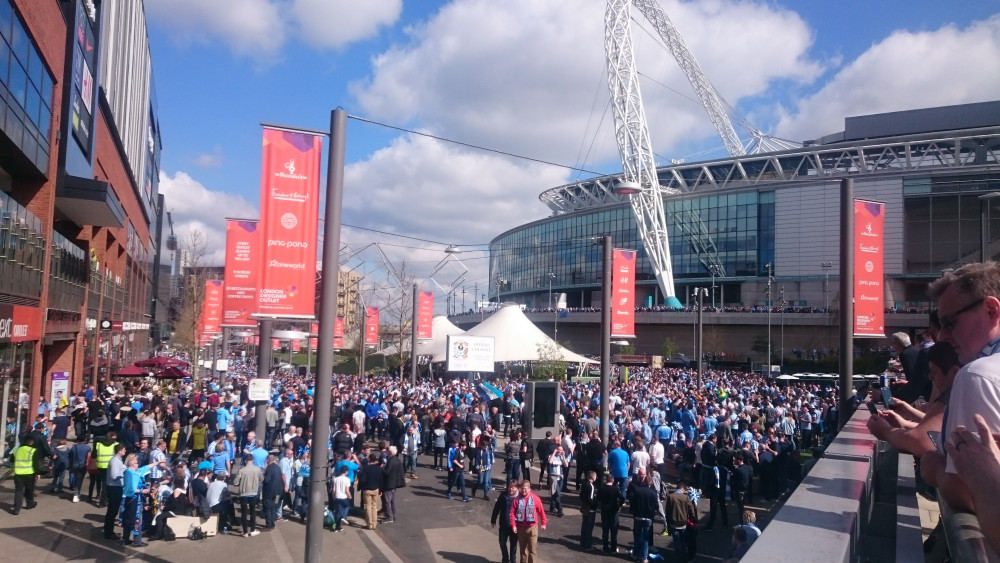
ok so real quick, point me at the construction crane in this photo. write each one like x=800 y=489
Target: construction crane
x=639 y=177
x=171 y=238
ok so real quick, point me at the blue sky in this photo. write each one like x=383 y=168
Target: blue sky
x=520 y=76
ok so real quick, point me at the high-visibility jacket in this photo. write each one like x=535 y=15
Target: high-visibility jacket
x=104 y=453
x=24 y=461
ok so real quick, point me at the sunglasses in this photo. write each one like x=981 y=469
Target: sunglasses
x=948 y=322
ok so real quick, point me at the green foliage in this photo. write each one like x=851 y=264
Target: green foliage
x=627 y=349
x=669 y=348
x=550 y=364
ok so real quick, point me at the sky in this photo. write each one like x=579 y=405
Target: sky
x=521 y=77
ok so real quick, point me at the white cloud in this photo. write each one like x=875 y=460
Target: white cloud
x=336 y=23
x=212 y=159
x=529 y=77
x=254 y=28
x=195 y=208
x=907 y=70
x=259 y=29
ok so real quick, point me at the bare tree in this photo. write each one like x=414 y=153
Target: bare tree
x=191 y=295
x=400 y=309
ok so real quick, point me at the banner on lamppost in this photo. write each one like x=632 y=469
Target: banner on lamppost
x=338 y=333
x=242 y=266
x=296 y=346
x=313 y=340
x=869 y=281
x=623 y=293
x=275 y=343
x=289 y=206
x=371 y=326
x=210 y=316
x=425 y=315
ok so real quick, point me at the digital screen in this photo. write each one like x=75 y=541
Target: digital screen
x=544 y=413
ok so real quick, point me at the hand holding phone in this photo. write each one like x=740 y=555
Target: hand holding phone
x=935 y=438
x=872 y=408
x=887 y=397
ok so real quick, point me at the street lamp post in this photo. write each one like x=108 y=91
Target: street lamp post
x=699 y=293
x=781 y=357
x=984 y=210
x=768 y=294
x=551 y=275
x=714 y=270
x=827 y=265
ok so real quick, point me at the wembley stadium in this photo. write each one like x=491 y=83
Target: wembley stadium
x=761 y=231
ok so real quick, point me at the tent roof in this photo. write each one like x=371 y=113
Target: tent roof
x=515 y=337
x=441 y=328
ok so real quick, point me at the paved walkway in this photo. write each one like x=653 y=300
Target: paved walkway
x=429 y=528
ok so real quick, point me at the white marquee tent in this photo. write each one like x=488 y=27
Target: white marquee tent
x=441 y=328
x=516 y=338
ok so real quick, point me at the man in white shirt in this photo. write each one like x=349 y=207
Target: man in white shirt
x=969 y=312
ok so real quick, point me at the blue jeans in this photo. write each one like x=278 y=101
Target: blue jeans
x=622 y=484
x=340 y=508
x=410 y=464
x=587 y=529
x=485 y=481
x=513 y=470
x=457 y=479
x=642 y=531
x=680 y=545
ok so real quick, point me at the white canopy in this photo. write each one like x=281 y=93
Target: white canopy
x=516 y=338
x=441 y=328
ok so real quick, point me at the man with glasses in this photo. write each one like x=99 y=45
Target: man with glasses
x=969 y=311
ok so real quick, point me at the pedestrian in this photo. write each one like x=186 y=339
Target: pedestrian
x=341 y=493
x=411 y=447
x=114 y=487
x=247 y=482
x=104 y=450
x=485 y=457
x=370 y=482
x=79 y=458
x=609 y=500
x=273 y=488
x=557 y=465
x=643 y=502
x=456 y=470
x=501 y=514
x=133 y=492
x=25 y=475
x=392 y=479
x=588 y=508
x=682 y=513
x=526 y=515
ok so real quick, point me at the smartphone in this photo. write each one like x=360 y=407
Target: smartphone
x=887 y=397
x=935 y=437
x=872 y=408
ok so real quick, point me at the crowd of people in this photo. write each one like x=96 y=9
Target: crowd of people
x=150 y=452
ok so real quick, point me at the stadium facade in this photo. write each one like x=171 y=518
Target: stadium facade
x=734 y=220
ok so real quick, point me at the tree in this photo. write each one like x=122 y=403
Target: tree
x=550 y=364
x=669 y=348
x=400 y=310
x=627 y=349
x=190 y=297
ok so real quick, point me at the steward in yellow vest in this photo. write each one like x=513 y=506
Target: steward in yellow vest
x=24 y=475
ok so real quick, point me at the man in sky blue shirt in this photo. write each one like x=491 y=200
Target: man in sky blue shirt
x=618 y=465
x=260 y=455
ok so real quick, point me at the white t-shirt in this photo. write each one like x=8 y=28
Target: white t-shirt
x=656 y=452
x=341 y=486
x=976 y=390
x=640 y=459
x=359 y=419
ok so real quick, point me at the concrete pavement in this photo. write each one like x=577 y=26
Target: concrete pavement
x=429 y=528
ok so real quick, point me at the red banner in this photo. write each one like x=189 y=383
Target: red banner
x=289 y=215
x=296 y=345
x=242 y=264
x=275 y=343
x=210 y=316
x=623 y=293
x=425 y=314
x=869 y=290
x=371 y=326
x=256 y=341
x=20 y=323
x=338 y=333
x=313 y=342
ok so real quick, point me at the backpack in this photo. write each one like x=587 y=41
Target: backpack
x=195 y=533
x=168 y=534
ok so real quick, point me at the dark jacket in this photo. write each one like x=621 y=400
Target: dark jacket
x=370 y=478
x=273 y=485
x=342 y=442
x=393 y=473
x=588 y=496
x=501 y=510
x=609 y=498
x=644 y=502
x=181 y=440
x=680 y=510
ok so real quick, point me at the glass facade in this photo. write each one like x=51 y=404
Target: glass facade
x=22 y=252
x=26 y=113
x=944 y=219
x=735 y=231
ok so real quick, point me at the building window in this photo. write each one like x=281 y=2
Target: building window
x=24 y=74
